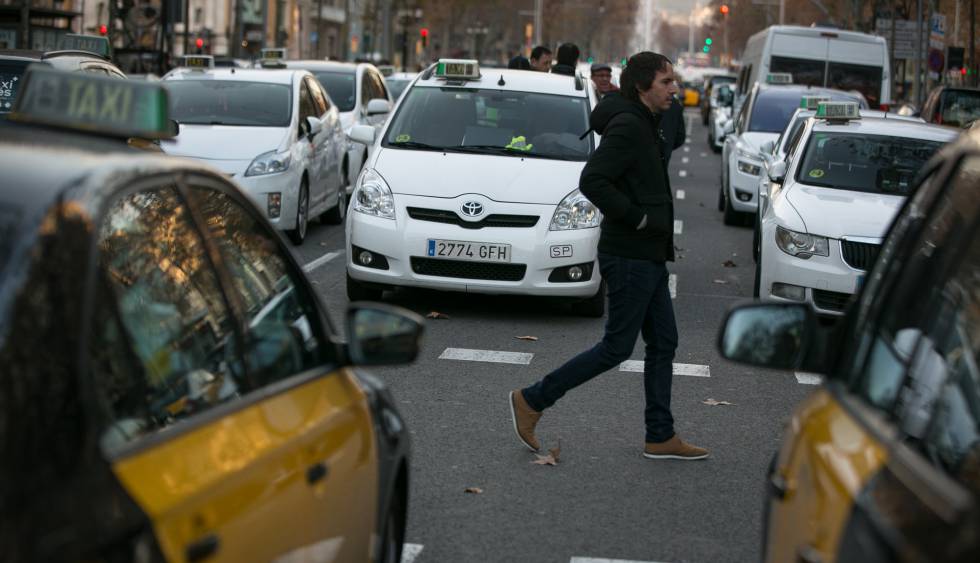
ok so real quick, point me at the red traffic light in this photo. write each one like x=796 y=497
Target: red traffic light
x=724 y=9
x=424 y=32
x=963 y=71
x=103 y=29
x=199 y=42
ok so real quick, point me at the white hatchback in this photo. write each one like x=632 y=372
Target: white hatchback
x=832 y=200
x=472 y=186
x=274 y=132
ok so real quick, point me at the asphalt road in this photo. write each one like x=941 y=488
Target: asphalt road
x=603 y=500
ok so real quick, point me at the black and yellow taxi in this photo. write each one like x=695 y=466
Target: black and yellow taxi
x=882 y=461
x=171 y=386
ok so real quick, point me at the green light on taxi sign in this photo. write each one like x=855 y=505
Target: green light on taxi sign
x=811 y=102
x=89 y=43
x=201 y=62
x=779 y=78
x=86 y=102
x=838 y=111
x=273 y=54
x=458 y=68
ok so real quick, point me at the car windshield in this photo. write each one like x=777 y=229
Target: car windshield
x=865 y=163
x=340 y=86
x=960 y=107
x=228 y=102
x=773 y=108
x=862 y=78
x=492 y=122
x=397 y=85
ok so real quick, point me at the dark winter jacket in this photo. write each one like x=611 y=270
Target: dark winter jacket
x=673 y=128
x=568 y=70
x=626 y=178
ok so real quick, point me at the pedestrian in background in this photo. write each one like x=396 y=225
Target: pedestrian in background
x=626 y=178
x=541 y=58
x=519 y=63
x=567 y=59
x=601 y=75
x=673 y=129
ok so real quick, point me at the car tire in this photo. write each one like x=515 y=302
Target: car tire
x=594 y=307
x=357 y=291
x=391 y=542
x=721 y=196
x=298 y=235
x=337 y=214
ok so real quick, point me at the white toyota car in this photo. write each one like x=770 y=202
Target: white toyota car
x=832 y=201
x=473 y=186
x=275 y=132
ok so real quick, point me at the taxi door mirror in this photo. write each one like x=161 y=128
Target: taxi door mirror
x=773 y=335
x=728 y=128
x=777 y=171
x=767 y=147
x=313 y=126
x=378 y=106
x=363 y=134
x=381 y=334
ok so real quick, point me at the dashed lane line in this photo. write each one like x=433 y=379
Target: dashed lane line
x=678 y=226
x=682 y=173
x=603 y=560
x=410 y=551
x=680 y=194
x=687 y=149
x=685 y=160
x=692 y=370
x=492 y=356
x=704 y=154
x=807 y=378
x=672 y=285
x=320 y=261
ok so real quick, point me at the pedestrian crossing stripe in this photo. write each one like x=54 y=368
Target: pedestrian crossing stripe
x=692 y=370
x=807 y=378
x=492 y=356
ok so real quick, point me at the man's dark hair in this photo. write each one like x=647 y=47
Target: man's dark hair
x=567 y=54
x=639 y=73
x=520 y=63
x=538 y=51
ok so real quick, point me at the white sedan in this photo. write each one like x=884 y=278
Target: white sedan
x=832 y=202
x=472 y=186
x=275 y=132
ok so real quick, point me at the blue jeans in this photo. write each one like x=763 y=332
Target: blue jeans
x=639 y=303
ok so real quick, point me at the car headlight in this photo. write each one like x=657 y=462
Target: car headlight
x=749 y=168
x=801 y=245
x=575 y=212
x=268 y=163
x=372 y=196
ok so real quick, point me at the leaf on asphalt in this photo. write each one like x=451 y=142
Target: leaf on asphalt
x=551 y=459
x=531 y=338
x=323 y=244
x=437 y=315
x=729 y=264
x=714 y=403
x=473 y=490
x=721 y=282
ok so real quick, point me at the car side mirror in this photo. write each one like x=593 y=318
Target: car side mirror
x=174 y=127
x=767 y=147
x=777 y=171
x=380 y=334
x=313 y=126
x=363 y=134
x=729 y=127
x=378 y=106
x=773 y=335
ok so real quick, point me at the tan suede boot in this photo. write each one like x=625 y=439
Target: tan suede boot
x=525 y=419
x=675 y=448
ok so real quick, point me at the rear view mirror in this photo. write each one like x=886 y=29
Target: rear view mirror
x=777 y=171
x=363 y=134
x=313 y=126
x=382 y=335
x=774 y=335
x=378 y=106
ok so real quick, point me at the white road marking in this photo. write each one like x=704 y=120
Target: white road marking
x=685 y=160
x=469 y=355
x=807 y=378
x=680 y=194
x=682 y=173
x=704 y=154
x=320 y=261
x=688 y=140
x=672 y=285
x=678 y=226
x=410 y=551
x=687 y=149
x=693 y=370
x=602 y=560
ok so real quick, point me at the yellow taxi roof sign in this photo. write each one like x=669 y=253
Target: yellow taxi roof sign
x=95 y=44
x=466 y=69
x=838 y=111
x=811 y=102
x=86 y=102
x=779 y=78
x=199 y=62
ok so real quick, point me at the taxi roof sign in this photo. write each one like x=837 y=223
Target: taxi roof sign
x=812 y=102
x=200 y=62
x=273 y=54
x=466 y=69
x=89 y=43
x=86 y=102
x=779 y=78
x=838 y=111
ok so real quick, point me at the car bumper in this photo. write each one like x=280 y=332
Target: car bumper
x=258 y=189
x=744 y=185
x=404 y=239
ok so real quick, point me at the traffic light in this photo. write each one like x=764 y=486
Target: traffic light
x=103 y=29
x=590 y=60
x=706 y=49
x=199 y=43
x=724 y=9
x=424 y=32
x=708 y=41
x=623 y=62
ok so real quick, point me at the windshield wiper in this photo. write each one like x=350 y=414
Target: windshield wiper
x=418 y=145
x=511 y=151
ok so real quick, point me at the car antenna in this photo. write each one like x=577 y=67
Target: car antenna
x=501 y=81
x=233 y=70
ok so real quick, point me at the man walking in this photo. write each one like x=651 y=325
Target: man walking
x=601 y=75
x=626 y=178
x=541 y=59
x=567 y=59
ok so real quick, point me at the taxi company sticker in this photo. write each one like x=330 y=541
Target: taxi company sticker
x=816 y=173
x=403 y=138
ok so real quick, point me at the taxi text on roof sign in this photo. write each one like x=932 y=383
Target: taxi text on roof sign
x=779 y=78
x=273 y=53
x=197 y=61
x=812 y=102
x=88 y=43
x=838 y=111
x=458 y=68
x=86 y=102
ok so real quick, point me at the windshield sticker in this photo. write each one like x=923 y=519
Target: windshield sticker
x=519 y=144
x=403 y=138
x=816 y=173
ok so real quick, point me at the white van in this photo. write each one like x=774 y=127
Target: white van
x=820 y=56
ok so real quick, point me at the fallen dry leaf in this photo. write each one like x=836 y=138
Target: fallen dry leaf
x=714 y=403
x=721 y=282
x=437 y=315
x=323 y=244
x=729 y=264
x=551 y=459
x=473 y=490
x=531 y=338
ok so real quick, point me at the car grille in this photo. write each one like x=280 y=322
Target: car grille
x=450 y=217
x=468 y=270
x=859 y=255
x=830 y=300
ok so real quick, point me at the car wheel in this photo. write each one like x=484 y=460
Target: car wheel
x=357 y=291
x=732 y=217
x=298 y=235
x=391 y=544
x=337 y=215
x=595 y=306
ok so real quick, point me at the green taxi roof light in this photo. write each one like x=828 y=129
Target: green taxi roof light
x=85 y=102
x=197 y=61
x=838 y=111
x=812 y=102
x=89 y=43
x=779 y=78
x=458 y=69
x=273 y=53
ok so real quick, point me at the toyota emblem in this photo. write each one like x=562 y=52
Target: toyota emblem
x=472 y=209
